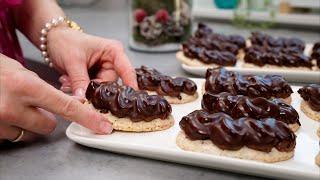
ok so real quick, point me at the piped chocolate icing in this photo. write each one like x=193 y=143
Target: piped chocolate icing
x=238 y=106
x=232 y=134
x=281 y=51
x=267 y=86
x=152 y=80
x=316 y=53
x=265 y=40
x=210 y=47
x=124 y=101
x=260 y=56
x=311 y=94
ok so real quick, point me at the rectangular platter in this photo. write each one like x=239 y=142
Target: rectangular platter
x=161 y=145
x=290 y=75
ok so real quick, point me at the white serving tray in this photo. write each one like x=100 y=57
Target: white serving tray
x=161 y=145
x=290 y=75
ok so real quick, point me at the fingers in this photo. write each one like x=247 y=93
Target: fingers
x=121 y=63
x=79 y=79
x=107 y=75
x=11 y=133
x=64 y=79
x=47 y=97
x=36 y=120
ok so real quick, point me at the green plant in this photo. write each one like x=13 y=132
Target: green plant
x=242 y=15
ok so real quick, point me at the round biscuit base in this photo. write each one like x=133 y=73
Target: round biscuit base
x=268 y=66
x=197 y=63
x=207 y=147
x=185 y=98
x=192 y=62
x=125 y=124
x=309 y=112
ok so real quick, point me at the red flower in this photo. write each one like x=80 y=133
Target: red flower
x=139 y=15
x=162 y=16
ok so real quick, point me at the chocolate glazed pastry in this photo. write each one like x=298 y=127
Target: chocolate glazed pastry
x=311 y=101
x=212 y=48
x=152 y=80
x=238 y=106
x=311 y=94
x=260 y=56
x=268 y=86
x=261 y=39
x=316 y=53
x=233 y=134
x=124 y=101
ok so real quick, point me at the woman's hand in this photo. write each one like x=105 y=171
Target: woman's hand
x=27 y=102
x=76 y=55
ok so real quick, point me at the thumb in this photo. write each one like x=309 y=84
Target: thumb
x=79 y=79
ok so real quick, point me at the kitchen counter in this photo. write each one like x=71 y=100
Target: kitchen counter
x=56 y=157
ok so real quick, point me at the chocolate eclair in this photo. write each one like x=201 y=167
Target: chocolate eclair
x=311 y=101
x=285 y=53
x=261 y=39
x=207 y=48
x=128 y=109
x=238 y=106
x=267 y=86
x=316 y=53
x=266 y=139
x=290 y=58
x=176 y=90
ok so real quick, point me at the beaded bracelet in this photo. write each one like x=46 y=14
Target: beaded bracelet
x=44 y=32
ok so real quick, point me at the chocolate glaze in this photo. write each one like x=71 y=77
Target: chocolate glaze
x=261 y=39
x=238 y=106
x=262 y=55
x=205 y=32
x=124 y=101
x=311 y=94
x=316 y=53
x=232 y=134
x=210 y=47
x=152 y=80
x=268 y=86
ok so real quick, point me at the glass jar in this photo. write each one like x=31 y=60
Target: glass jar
x=159 y=25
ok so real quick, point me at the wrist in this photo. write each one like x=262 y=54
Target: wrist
x=51 y=31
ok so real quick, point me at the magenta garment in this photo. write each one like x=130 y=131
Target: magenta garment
x=9 y=44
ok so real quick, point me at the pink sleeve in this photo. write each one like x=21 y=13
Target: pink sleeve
x=8 y=3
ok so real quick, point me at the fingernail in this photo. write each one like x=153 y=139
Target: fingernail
x=62 y=79
x=79 y=92
x=66 y=89
x=106 y=127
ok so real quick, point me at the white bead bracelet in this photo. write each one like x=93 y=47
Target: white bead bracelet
x=44 y=32
x=43 y=38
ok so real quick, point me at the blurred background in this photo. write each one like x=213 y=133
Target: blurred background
x=120 y=19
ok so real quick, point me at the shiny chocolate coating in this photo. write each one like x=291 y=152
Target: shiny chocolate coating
x=238 y=106
x=267 y=86
x=232 y=134
x=124 y=101
x=261 y=39
x=261 y=56
x=311 y=94
x=316 y=53
x=152 y=80
x=210 y=47
x=223 y=58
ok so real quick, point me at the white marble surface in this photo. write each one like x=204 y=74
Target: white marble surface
x=56 y=157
